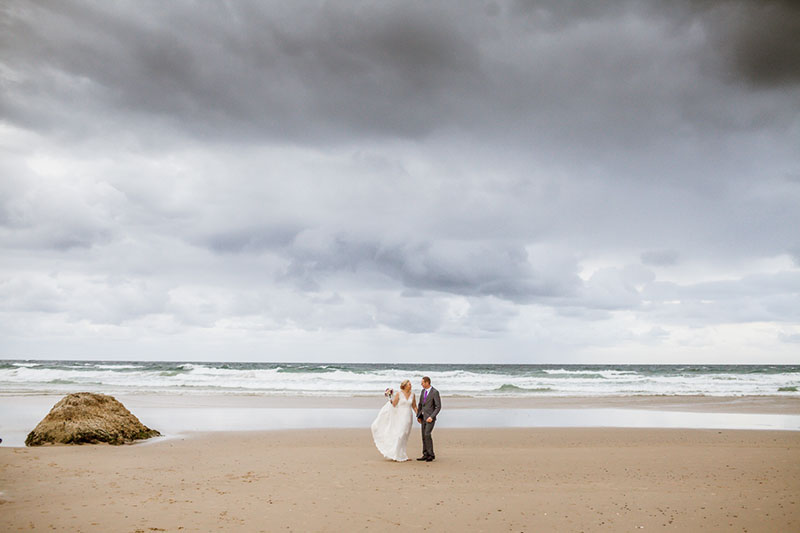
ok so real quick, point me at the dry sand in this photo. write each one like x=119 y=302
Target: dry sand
x=482 y=480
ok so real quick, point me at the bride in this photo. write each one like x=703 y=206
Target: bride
x=392 y=426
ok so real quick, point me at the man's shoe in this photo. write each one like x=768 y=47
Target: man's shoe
x=423 y=458
x=429 y=459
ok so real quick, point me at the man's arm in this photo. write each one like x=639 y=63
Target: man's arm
x=437 y=404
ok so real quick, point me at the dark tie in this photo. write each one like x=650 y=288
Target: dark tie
x=425 y=396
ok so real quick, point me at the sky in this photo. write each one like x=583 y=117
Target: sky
x=416 y=181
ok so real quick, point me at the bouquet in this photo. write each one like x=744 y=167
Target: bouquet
x=388 y=393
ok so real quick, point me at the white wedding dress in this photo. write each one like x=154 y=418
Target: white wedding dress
x=392 y=426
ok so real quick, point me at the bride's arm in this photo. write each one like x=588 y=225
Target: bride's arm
x=395 y=399
x=414 y=403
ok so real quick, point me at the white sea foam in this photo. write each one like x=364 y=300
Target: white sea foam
x=345 y=380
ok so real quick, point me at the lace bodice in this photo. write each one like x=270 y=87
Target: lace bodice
x=403 y=401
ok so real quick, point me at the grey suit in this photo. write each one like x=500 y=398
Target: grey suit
x=429 y=408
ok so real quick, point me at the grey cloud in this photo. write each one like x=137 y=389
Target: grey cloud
x=99 y=300
x=659 y=257
x=404 y=315
x=754 y=298
x=654 y=336
x=50 y=213
x=31 y=295
x=333 y=299
x=462 y=268
x=615 y=288
x=443 y=169
x=252 y=69
x=759 y=39
x=116 y=301
x=764 y=297
x=584 y=313
x=787 y=283
x=371 y=310
x=478 y=316
x=488 y=315
x=795 y=253
x=250 y=239
x=315 y=255
x=338 y=73
x=54 y=238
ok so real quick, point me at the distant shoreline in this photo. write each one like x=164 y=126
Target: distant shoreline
x=692 y=403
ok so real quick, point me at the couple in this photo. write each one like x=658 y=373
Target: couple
x=392 y=426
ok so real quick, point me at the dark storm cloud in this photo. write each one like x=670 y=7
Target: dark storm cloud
x=475 y=269
x=758 y=38
x=245 y=69
x=537 y=72
x=503 y=271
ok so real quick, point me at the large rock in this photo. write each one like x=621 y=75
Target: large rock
x=86 y=417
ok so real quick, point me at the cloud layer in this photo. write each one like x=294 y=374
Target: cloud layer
x=472 y=181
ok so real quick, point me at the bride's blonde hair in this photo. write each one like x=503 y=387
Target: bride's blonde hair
x=404 y=383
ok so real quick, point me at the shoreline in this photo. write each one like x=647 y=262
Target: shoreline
x=177 y=416
x=513 y=479
x=774 y=404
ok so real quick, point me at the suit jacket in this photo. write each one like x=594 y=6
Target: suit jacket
x=431 y=406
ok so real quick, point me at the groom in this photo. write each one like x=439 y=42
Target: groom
x=429 y=407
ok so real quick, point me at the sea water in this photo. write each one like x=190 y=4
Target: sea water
x=336 y=379
x=28 y=389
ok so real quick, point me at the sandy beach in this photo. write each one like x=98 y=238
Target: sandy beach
x=485 y=480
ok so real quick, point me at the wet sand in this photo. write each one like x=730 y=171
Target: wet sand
x=540 y=479
x=711 y=404
x=176 y=415
x=789 y=404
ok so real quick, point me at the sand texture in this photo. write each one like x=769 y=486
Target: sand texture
x=482 y=480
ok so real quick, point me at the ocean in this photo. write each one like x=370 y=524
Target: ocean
x=27 y=377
